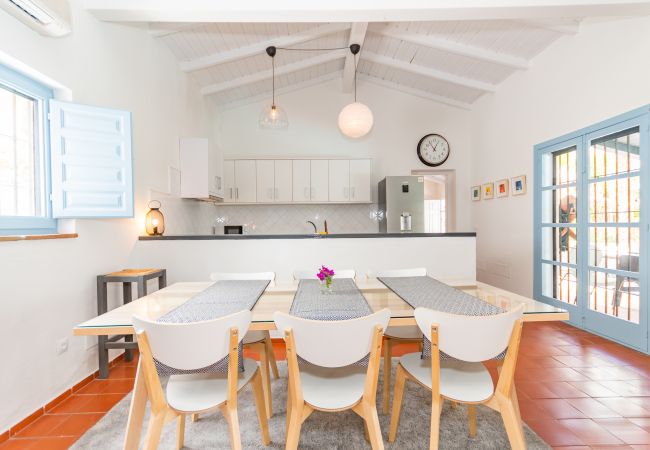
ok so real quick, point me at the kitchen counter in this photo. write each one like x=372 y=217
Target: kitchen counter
x=210 y=237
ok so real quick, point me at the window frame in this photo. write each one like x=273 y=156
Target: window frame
x=42 y=94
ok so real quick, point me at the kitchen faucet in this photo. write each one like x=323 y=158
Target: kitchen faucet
x=313 y=225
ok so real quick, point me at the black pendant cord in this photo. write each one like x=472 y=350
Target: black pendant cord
x=355 y=78
x=273 y=78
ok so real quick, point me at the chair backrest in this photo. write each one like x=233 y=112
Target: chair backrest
x=333 y=343
x=469 y=338
x=311 y=274
x=415 y=272
x=194 y=345
x=218 y=276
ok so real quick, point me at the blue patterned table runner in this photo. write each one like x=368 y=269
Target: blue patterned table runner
x=427 y=292
x=220 y=299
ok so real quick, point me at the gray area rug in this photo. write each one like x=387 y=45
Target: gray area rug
x=321 y=431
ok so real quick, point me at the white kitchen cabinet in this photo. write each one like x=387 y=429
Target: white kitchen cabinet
x=339 y=180
x=265 y=181
x=360 y=180
x=245 y=181
x=319 y=182
x=193 y=156
x=229 y=181
x=283 y=181
x=301 y=180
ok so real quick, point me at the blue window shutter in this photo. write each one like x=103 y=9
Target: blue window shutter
x=92 y=168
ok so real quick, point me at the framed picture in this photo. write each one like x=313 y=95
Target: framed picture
x=476 y=193
x=488 y=191
x=502 y=189
x=518 y=185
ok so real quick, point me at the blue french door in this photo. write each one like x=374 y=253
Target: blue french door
x=592 y=194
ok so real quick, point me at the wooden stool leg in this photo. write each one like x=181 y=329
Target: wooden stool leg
x=180 y=434
x=435 y=423
x=266 y=377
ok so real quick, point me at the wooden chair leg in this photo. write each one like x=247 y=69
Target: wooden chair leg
x=366 y=435
x=195 y=417
x=435 y=422
x=295 y=423
x=154 y=430
x=398 y=394
x=266 y=378
x=372 y=424
x=180 y=432
x=136 y=411
x=471 y=418
x=388 y=346
x=512 y=422
x=454 y=404
x=260 y=404
x=271 y=355
x=232 y=418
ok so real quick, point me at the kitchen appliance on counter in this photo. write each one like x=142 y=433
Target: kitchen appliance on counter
x=402 y=201
x=233 y=229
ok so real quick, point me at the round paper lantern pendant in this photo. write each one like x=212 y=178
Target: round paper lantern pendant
x=355 y=120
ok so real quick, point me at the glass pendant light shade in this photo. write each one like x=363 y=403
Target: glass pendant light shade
x=355 y=120
x=273 y=118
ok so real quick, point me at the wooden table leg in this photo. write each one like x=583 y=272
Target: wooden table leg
x=136 y=412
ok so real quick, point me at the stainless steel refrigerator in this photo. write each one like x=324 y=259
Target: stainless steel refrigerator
x=401 y=199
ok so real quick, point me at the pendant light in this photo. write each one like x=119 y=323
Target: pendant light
x=355 y=119
x=273 y=117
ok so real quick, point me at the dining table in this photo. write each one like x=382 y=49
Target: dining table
x=280 y=297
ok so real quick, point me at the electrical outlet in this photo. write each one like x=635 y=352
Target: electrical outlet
x=62 y=346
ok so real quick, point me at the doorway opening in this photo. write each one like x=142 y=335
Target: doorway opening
x=439 y=200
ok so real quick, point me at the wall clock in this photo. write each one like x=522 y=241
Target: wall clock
x=433 y=150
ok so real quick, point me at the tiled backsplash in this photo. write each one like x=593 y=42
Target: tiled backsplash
x=195 y=217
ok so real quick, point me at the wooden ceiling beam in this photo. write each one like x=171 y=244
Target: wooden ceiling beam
x=357 y=36
x=446 y=45
x=281 y=70
x=258 y=48
x=428 y=72
x=416 y=92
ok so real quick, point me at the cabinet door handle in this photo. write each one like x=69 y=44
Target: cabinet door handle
x=231 y=193
x=237 y=193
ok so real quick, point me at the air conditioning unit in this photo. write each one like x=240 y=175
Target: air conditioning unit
x=48 y=17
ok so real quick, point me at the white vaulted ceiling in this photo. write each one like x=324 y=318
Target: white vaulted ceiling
x=454 y=62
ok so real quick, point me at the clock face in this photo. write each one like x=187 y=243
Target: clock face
x=433 y=150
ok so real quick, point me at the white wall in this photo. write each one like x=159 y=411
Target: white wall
x=601 y=72
x=401 y=120
x=46 y=287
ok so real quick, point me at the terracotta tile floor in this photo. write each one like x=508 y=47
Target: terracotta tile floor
x=576 y=390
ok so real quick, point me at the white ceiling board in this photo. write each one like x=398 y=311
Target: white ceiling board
x=255 y=11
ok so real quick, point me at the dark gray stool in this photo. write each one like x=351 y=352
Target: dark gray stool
x=126 y=277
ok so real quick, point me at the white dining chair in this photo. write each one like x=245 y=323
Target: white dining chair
x=328 y=379
x=311 y=274
x=396 y=335
x=469 y=340
x=257 y=341
x=182 y=346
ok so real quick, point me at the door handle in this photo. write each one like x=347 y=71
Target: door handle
x=231 y=193
x=237 y=193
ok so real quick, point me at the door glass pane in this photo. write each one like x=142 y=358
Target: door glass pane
x=615 y=248
x=560 y=167
x=614 y=295
x=614 y=154
x=617 y=200
x=560 y=283
x=559 y=244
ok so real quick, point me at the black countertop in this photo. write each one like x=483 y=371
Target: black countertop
x=210 y=237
